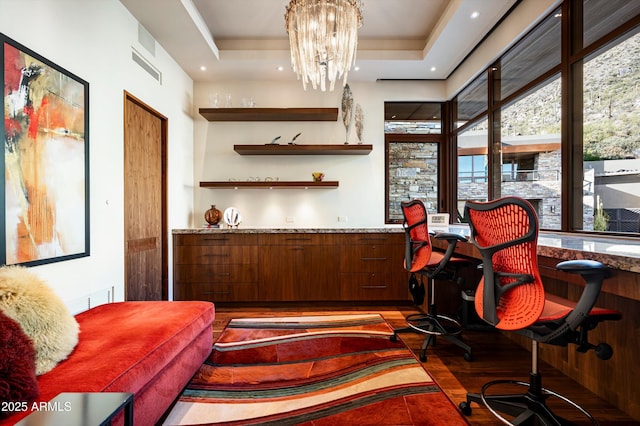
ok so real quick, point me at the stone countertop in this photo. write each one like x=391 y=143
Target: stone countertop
x=388 y=229
x=621 y=253
x=617 y=253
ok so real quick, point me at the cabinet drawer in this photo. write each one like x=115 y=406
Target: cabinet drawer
x=371 y=238
x=294 y=239
x=214 y=239
x=216 y=255
x=236 y=292
x=370 y=258
x=216 y=273
x=373 y=286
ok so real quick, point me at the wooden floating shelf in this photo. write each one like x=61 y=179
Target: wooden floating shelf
x=271 y=185
x=269 y=114
x=272 y=149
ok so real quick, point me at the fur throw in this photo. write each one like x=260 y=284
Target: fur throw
x=18 y=381
x=43 y=316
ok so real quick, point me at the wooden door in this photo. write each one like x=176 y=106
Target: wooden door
x=145 y=202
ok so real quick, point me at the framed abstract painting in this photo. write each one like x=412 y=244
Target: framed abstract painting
x=45 y=129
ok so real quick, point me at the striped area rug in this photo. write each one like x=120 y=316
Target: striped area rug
x=312 y=370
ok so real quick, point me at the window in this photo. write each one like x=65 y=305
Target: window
x=531 y=154
x=471 y=102
x=533 y=56
x=611 y=139
x=603 y=16
x=413 y=137
x=413 y=117
x=511 y=138
x=473 y=172
x=413 y=174
x=472 y=168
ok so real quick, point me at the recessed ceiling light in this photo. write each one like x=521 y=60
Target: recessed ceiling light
x=280 y=68
x=475 y=14
x=433 y=69
x=203 y=68
x=356 y=68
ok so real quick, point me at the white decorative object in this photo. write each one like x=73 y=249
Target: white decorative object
x=359 y=119
x=438 y=221
x=214 y=100
x=347 y=110
x=323 y=37
x=232 y=217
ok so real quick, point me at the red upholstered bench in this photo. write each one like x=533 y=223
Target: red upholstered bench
x=150 y=349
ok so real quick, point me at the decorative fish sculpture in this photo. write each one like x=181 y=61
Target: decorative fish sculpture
x=347 y=110
x=359 y=119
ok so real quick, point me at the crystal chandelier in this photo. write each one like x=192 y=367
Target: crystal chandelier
x=323 y=36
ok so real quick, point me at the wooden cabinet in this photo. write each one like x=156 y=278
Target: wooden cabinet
x=298 y=267
x=290 y=267
x=215 y=267
x=371 y=267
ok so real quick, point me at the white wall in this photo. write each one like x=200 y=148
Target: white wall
x=360 y=195
x=93 y=39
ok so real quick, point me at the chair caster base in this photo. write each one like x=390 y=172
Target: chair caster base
x=525 y=409
x=465 y=407
x=434 y=326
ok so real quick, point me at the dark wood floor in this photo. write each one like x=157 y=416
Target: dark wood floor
x=494 y=357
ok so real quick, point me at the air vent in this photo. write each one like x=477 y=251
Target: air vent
x=146 y=65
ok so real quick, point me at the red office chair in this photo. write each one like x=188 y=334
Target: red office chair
x=420 y=258
x=511 y=296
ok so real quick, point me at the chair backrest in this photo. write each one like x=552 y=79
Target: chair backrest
x=417 y=242
x=510 y=295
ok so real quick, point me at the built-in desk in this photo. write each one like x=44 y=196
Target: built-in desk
x=613 y=380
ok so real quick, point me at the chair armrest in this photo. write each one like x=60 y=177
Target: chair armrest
x=583 y=267
x=593 y=273
x=450 y=237
x=452 y=240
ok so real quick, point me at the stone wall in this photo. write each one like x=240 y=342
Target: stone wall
x=413 y=174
